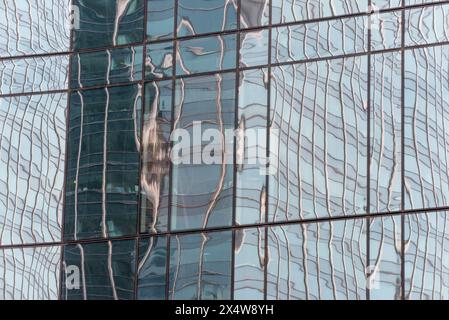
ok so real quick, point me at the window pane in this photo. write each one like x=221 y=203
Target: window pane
x=385 y=258
x=254 y=13
x=251 y=177
x=206 y=54
x=432 y=27
x=221 y=16
x=249 y=264
x=103 y=163
x=34 y=27
x=107 y=67
x=200 y=266
x=317 y=261
x=106 y=270
x=152 y=268
x=385 y=163
x=203 y=190
x=160 y=19
x=318 y=140
x=254 y=48
x=155 y=158
x=159 y=61
x=426 y=121
x=106 y=23
x=30 y=273
x=386 y=30
x=319 y=39
x=426 y=256
x=32 y=168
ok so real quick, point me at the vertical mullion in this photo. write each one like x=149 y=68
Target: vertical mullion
x=368 y=272
x=402 y=150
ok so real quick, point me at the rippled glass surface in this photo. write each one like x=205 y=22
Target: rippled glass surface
x=159 y=60
x=30 y=273
x=432 y=27
x=319 y=39
x=155 y=171
x=317 y=261
x=386 y=30
x=249 y=264
x=36 y=74
x=106 y=23
x=206 y=54
x=385 y=154
x=32 y=142
x=254 y=13
x=385 y=4
x=34 y=27
x=254 y=48
x=385 y=258
x=205 y=16
x=426 y=256
x=294 y=10
x=251 y=150
x=203 y=190
x=426 y=113
x=103 y=163
x=106 y=67
x=160 y=19
x=200 y=266
x=106 y=270
x=318 y=139
x=152 y=268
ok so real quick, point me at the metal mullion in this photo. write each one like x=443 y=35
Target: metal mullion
x=402 y=296
x=368 y=271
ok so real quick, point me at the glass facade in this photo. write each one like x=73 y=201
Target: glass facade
x=224 y=149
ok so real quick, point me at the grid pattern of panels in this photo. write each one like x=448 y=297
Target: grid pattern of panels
x=34 y=59
x=346 y=98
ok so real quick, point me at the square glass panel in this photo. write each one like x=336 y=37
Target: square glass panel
x=160 y=19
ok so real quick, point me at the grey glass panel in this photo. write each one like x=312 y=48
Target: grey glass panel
x=34 y=27
x=32 y=142
x=152 y=268
x=254 y=13
x=385 y=258
x=386 y=30
x=204 y=16
x=249 y=263
x=294 y=10
x=203 y=172
x=200 y=266
x=318 y=140
x=106 y=67
x=105 y=23
x=427 y=256
x=159 y=60
x=319 y=39
x=103 y=163
x=33 y=74
x=317 y=261
x=106 y=270
x=254 y=48
x=426 y=124
x=251 y=147
x=160 y=19
x=385 y=163
x=30 y=273
x=156 y=156
x=432 y=27
x=206 y=54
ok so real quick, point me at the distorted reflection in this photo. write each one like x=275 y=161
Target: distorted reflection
x=203 y=192
x=106 y=67
x=155 y=158
x=317 y=261
x=32 y=168
x=106 y=270
x=320 y=112
x=160 y=19
x=159 y=60
x=103 y=163
x=201 y=266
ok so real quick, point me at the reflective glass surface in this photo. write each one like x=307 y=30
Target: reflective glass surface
x=159 y=60
x=106 y=269
x=160 y=19
x=103 y=163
